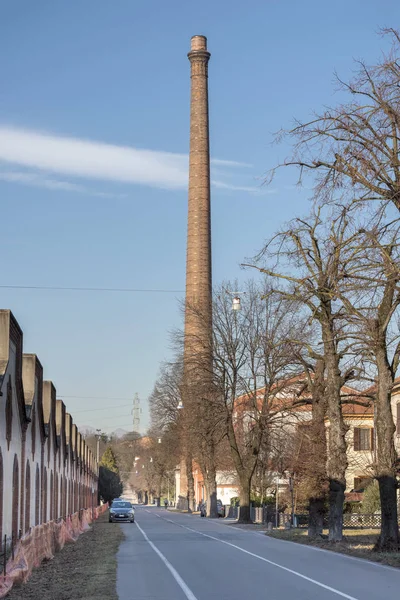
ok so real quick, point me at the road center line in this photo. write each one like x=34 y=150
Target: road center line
x=314 y=581
x=186 y=590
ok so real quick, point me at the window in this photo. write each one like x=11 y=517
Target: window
x=363 y=438
x=121 y=505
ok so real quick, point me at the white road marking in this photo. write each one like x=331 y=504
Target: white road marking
x=186 y=590
x=314 y=581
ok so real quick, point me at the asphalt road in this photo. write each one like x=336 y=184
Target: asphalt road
x=173 y=556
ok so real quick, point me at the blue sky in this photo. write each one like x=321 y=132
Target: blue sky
x=94 y=122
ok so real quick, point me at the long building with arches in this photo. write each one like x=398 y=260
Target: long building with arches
x=46 y=469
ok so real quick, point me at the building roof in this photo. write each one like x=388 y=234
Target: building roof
x=293 y=395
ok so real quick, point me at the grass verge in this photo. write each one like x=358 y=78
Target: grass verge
x=85 y=570
x=356 y=542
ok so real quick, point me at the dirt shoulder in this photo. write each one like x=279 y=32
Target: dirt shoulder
x=86 y=570
x=356 y=542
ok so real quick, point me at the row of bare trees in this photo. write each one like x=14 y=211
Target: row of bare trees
x=343 y=261
x=326 y=309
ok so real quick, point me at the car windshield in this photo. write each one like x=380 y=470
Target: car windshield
x=121 y=505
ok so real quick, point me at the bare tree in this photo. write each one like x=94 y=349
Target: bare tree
x=252 y=366
x=308 y=263
x=167 y=423
x=370 y=292
x=166 y=396
x=311 y=458
x=353 y=148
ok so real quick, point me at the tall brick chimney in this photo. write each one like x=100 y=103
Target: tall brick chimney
x=198 y=325
x=198 y=255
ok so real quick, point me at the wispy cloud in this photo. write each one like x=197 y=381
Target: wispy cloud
x=230 y=163
x=39 y=180
x=47 y=156
x=243 y=188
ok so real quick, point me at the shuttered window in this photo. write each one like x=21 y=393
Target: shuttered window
x=363 y=438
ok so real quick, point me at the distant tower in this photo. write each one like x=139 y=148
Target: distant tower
x=198 y=311
x=136 y=413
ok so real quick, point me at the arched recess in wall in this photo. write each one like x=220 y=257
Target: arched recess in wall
x=67 y=486
x=15 y=498
x=44 y=497
x=56 y=509
x=9 y=413
x=51 y=496
x=1 y=499
x=33 y=430
x=56 y=513
x=61 y=509
x=65 y=498
x=27 y=496
x=37 y=496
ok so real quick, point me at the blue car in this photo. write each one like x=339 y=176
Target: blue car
x=121 y=511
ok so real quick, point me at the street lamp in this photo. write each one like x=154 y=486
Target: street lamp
x=236 y=303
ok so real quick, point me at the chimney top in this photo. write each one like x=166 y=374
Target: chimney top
x=199 y=42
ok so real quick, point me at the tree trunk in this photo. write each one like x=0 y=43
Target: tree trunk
x=388 y=540
x=211 y=487
x=336 y=501
x=316 y=465
x=316 y=517
x=190 y=484
x=337 y=448
x=244 y=495
x=245 y=474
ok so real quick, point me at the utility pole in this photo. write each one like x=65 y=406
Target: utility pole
x=136 y=413
x=98 y=436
